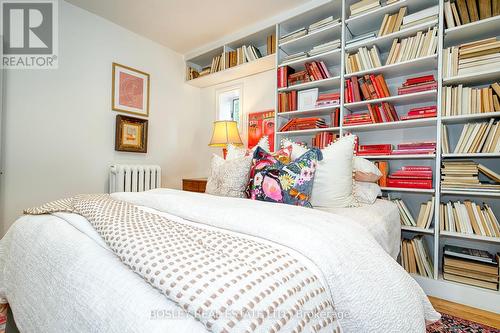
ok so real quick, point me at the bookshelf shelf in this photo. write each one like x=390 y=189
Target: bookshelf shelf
x=474 y=78
x=315 y=111
x=413 y=190
x=429 y=231
x=330 y=56
x=317 y=37
x=418 y=97
x=402 y=68
x=309 y=131
x=250 y=68
x=472 y=155
x=467 y=117
x=392 y=125
x=470 y=237
x=332 y=82
x=400 y=157
x=471 y=193
x=472 y=31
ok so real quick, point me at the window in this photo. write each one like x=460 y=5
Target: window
x=229 y=104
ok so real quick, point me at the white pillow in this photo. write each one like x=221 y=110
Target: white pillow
x=229 y=178
x=365 y=170
x=333 y=181
x=237 y=152
x=366 y=192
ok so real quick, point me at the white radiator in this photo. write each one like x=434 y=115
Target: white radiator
x=134 y=178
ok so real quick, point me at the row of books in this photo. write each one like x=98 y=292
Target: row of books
x=481 y=137
x=418 y=84
x=468 y=218
x=392 y=22
x=314 y=70
x=363 y=6
x=415 y=258
x=425 y=215
x=216 y=66
x=411 y=176
x=429 y=111
x=377 y=113
x=421 y=18
x=421 y=45
x=461 y=12
x=300 y=32
x=323 y=139
x=474 y=267
x=328 y=99
x=318 y=49
x=410 y=148
x=271 y=44
x=365 y=88
x=473 y=57
x=241 y=55
x=297 y=124
x=363 y=59
x=464 y=176
x=459 y=100
x=287 y=101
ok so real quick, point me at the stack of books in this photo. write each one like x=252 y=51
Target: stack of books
x=411 y=177
x=470 y=266
x=382 y=149
x=294 y=57
x=481 y=137
x=297 y=124
x=362 y=60
x=405 y=216
x=377 y=113
x=366 y=88
x=287 y=101
x=361 y=38
x=317 y=70
x=323 y=24
x=363 y=6
x=415 y=148
x=418 y=84
x=460 y=100
x=293 y=35
x=464 y=176
x=465 y=11
x=323 y=139
x=383 y=166
x=421 y=112
x=470 y=58
x=283 y=73
x=314 y=70
x=421 y=18
x=420 y=45
x=241 y=55
x=468 y=218
x=325 y=47
x=328 y=99
x=415 y=258
x=392 y=23
x=360 y=118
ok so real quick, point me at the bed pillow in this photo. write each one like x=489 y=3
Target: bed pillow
x=236 y=152
x=366 y=192
x=365 y=171
x=333 y=183
x=229 y=178
x=292 y=183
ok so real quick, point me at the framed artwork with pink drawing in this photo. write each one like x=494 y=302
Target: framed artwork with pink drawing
x=130 y=90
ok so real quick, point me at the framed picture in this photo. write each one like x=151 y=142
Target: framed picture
x=131 y=134
x=130 y=90
x=306 y=99
x=261 y=124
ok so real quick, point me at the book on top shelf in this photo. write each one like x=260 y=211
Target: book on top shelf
x=468 y=218
x=461 y=12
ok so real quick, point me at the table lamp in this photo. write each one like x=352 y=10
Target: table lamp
x=225 y=132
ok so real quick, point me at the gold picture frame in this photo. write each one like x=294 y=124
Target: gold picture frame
x=130 y=90
x=131 y=134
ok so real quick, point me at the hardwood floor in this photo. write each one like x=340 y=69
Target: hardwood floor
x=466 y=312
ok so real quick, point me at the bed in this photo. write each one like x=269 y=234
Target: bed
x=59 y=275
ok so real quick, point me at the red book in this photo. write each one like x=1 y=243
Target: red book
x=410 y=90
x=413 y=151
x=378 y=89
x=427 y=144
x=375 y=152
x=349 y=91
x=419 y=79
x=416 y=168
x=375 y=147
x=410 y=183
x=419 y=116
x=355 y=88
x=424 y=108
x=325 y=69
x=383 y=85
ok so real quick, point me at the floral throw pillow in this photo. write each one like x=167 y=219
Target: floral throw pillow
x=291 y=183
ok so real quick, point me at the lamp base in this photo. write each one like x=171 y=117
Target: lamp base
x=224 y=152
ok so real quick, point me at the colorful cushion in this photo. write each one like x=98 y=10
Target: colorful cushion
x=229 y=178
x=292 y=183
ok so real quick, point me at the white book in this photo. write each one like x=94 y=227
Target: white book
x=430 y=11
x=451 y=218
x=478 y=218
x=461 y=139
x=431 y=214
x=448 y=15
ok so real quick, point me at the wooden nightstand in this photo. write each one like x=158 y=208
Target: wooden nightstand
x=194 y=184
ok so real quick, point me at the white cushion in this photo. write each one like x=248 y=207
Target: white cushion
x=366 y=192
x=333 y=183
x=229 y=178
x=237 y=152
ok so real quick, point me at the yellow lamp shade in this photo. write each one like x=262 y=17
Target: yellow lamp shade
x=225 y=132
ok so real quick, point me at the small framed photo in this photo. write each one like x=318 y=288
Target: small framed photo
x=306 y=99
x=130 y=90
x=131 y=134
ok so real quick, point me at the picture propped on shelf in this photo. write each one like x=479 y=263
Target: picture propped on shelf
x=131 y=134
x=261 y=124
x=130 y=90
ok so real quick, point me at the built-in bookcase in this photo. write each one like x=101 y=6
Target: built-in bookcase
x=400 y=131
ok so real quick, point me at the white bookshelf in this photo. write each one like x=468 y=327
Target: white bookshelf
x=400 y=131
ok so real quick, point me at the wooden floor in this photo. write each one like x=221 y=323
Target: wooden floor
x=466 y=312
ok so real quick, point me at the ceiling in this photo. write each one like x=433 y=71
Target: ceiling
x=185 y=25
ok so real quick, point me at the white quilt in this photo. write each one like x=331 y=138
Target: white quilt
x=60 y=277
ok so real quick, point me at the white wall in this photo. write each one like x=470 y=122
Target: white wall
x=59 y=129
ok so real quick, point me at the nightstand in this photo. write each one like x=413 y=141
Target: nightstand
x=194 y=184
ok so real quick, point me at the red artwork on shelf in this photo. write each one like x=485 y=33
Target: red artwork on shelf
x=261 y=124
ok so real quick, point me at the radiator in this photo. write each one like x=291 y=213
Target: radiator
x=134 y=178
